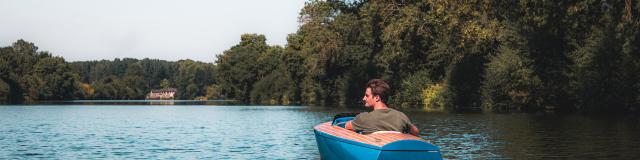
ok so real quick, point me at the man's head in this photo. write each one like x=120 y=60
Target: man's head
x=376 y=92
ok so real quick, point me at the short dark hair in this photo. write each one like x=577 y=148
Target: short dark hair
x=379 y=88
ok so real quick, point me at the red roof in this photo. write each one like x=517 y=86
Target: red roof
x=165 y=90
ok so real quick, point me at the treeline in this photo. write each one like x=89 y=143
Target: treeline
x=26 y=74
x=30 y=75
x=524 y=55
x=132 y=79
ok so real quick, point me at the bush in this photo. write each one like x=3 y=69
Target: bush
x=510 y=81
x=410 y=92
x=432 y=97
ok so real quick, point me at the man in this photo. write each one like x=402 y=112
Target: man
x=381 y=118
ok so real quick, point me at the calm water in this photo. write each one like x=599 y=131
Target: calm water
x=285 y=132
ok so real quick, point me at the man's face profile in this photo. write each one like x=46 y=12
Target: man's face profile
x=368 y=98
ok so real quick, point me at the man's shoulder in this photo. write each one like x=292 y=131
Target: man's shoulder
x=361 y=120
x=381 y=113
x=391 y=110
x=363 y=115
x=398 y=113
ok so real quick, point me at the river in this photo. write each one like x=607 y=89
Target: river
x=220 y=131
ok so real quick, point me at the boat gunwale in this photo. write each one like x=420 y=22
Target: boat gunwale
x=327 y=135
x=338 y=133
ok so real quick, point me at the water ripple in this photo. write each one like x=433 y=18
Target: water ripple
x=285 y=132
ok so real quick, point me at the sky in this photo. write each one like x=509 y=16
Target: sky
x=81 y=30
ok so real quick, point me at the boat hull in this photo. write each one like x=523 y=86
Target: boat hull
x=331 y=148
x=336 y=143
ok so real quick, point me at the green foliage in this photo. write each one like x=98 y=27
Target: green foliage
x=4 y=90
x=597 y=77
x=274 y=88
x=496 y=55
x=275 y=85
x=152 y=70
x=213 y=92
x=51 y=79
x=453 y=41
x=433 y=97
x=510 y=82
x=237 y=68
x=254 y=72
x=463 y=81
x=190 y=91
x=138 y=77
x=29 y=74
x=192 y=79
x=410 y=92
x=165 y=83
x=109 y=88
x=337 y=53
x=135 y=86
x=464 y=55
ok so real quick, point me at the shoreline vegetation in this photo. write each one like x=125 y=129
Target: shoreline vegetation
x=511 y=56
x=130 y=102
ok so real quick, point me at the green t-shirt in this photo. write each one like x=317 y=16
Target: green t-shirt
x=381 y=120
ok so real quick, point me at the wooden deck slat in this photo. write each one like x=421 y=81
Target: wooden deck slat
x=379 y=139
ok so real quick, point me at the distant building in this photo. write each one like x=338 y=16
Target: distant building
x=166 y=93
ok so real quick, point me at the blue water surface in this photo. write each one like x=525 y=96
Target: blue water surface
x=169 y=131
x=159 y=132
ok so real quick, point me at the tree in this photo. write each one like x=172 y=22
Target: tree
x=4 y=90
x=237 y=68
x=510 y=82
x=193 y=73
x=165 y=83
x=190 y=92
x=597 y=79
x=213 y=92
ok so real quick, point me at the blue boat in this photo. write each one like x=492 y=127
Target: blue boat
x=336 y=142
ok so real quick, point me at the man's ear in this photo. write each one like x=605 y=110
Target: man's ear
x=377 y=98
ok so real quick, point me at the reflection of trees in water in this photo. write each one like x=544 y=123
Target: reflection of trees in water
x=529 y=136
x=556 y=136
x=162 y=103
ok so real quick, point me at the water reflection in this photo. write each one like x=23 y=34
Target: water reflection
x=531 y=136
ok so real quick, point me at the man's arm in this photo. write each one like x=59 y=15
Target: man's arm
x=414 y=130
x=348 y=126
